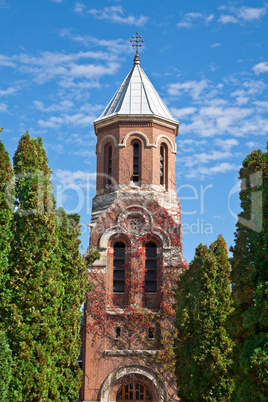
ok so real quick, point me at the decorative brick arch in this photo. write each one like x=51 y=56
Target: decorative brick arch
x=107 y=137
x=173 y=149
x=118 y=376
x=140 y=135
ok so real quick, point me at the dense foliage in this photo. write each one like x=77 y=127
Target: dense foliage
x=46 y=284
x=6 y=215
x=5 y=367
x=203 y=347
x=249 y=322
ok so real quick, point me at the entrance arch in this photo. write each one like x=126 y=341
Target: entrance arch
x=133 y=373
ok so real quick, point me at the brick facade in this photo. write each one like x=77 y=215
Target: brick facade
x=136 y=215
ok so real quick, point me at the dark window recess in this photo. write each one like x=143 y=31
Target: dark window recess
x=150 y=333
x=136 y=162
x=150 y=267
x=117 y=332
x=162 y=163
x=119 y=268
x=109 y=166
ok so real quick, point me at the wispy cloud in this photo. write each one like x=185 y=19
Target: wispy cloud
x=261 y=68
x=214 y=45
x=191 y=19
x=8 y=91
x=241 y=15
x=83 y=116
x=192 y=88
x=3 y=108
x=114 y=14
x=90 y=66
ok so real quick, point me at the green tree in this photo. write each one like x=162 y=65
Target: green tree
x=5 y=367
x=6 y=215
x=75 y=281
x=202 y=346
x=35 y=279
x=249 y=322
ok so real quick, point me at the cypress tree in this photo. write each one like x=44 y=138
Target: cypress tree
x=35 y=278
x=249 y=322
x=75 y=282
x=202 y=346
x=6 y=215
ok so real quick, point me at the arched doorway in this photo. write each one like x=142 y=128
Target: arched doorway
x=133 y=391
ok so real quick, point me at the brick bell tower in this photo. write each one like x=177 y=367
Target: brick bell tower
x=128 y=325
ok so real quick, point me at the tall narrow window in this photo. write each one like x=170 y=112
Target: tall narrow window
x=151 y=267
x=119 y=268
x=109 y=165
x=163 y=165
x=136 y=162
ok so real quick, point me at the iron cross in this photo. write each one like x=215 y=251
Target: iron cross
x=137 y=41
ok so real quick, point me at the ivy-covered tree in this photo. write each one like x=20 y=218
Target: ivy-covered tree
x=202 y=346
x=36 y=284
x=249 y=322
x=6 y=215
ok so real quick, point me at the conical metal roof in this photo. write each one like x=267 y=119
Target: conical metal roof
x=136 y=96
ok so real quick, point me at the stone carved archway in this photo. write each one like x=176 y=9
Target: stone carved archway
x=113 y=382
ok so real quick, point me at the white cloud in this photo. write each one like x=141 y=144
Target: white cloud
x=77 y=119
x=57 y=1
x=114 y=14
x=79 y=8
x=183 y=112
x=192 y=88
x=251 y=144
x=240 y=15
x=214 y=45
x=226 y=144
x=190 y=19
x=65 y=106
x=8 y=91
x=79 y=177
x=202 y=172
x=55 y=65
x=261 y=68
x=3 y=108
x=226 y=19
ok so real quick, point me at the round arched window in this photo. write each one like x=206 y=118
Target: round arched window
x=134 y=391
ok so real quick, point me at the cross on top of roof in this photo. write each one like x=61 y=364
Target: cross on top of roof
x=137 y=43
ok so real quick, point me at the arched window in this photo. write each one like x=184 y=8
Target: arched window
x=119 y=268
x=150 y=267
x=108 y=164
x=136 y=162
x=163 y=165
x=134 y=391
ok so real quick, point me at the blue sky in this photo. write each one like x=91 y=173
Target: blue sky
x=61 y=61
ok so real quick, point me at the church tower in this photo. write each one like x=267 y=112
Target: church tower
x=135 y=224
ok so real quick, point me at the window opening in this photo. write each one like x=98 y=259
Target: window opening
x=151 y=333
x=151 y=267
x=134 y=391
x=109 y=165
x=136 y=162
x=119 y=268
x=163 y=165
x=117 y=332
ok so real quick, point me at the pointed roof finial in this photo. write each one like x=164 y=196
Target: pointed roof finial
x=137 y=43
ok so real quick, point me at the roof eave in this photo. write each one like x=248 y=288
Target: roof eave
x=117 y=117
